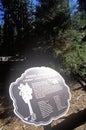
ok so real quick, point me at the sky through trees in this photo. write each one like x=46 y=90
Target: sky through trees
x=73 y=4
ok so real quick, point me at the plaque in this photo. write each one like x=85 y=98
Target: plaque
x=40 y=96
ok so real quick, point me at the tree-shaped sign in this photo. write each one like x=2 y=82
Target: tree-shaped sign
x=39 y=96
x=26 y=93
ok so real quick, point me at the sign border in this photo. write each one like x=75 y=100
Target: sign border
x=41 y=122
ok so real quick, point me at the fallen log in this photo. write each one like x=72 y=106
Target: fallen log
x=71 y=122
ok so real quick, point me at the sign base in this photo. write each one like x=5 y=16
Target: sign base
x=48 y=127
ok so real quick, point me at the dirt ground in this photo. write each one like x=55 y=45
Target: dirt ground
x=8 y=121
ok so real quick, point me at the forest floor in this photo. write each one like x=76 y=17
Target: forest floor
x=8 y=121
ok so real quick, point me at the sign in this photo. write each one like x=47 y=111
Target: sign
x=39 y=96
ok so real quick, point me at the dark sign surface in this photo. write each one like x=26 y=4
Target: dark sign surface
x=39 y=96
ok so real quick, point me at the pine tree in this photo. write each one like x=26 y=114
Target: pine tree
x=53 y=14
x=82 y=4
x=16 y=17
x=16 y=12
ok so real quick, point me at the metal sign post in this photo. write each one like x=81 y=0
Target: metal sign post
x=40 y=96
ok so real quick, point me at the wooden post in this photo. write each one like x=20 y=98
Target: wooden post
x=72 y=121
x=47 y=127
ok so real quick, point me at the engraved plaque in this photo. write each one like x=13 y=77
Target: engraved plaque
x=39 y=96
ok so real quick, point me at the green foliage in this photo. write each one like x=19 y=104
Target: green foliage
x=53 y=15
x=79 y=20
x=75 y=60
x=74 y=52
